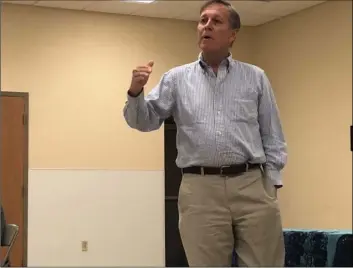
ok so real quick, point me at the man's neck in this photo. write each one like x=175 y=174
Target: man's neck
x=214 y=59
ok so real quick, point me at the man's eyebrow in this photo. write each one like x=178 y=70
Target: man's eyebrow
x=218 y=16
x=214 y=17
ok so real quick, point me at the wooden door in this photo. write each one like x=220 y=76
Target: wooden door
x=14 y=168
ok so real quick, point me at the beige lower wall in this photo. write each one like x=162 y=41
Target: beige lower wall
x=76 y=67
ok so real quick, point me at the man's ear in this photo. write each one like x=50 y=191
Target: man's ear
x=233 y=37
x=234 y=34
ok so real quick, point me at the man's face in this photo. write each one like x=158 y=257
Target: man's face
x=214 y=31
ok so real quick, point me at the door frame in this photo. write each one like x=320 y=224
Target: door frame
x=25 y=97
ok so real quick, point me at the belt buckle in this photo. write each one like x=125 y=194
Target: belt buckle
x=221 y=170
x=246 y=167
x=202 y=171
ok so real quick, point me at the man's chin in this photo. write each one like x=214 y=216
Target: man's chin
x=207 y=49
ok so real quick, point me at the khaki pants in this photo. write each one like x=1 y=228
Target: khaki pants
x=218 y=214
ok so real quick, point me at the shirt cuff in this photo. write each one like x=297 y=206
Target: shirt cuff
x=274 y=176
x=134 y=95
x=136 y=100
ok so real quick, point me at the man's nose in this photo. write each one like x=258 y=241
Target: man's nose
x=208 y=25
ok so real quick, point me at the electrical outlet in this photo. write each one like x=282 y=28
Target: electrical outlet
x=84 y=245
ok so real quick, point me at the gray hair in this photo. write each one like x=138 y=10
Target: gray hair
x=234 y=18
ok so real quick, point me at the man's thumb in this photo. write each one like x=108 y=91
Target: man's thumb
x=150 y=63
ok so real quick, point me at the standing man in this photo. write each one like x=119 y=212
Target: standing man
x=230 y=145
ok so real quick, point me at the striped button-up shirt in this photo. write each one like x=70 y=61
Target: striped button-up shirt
x=226 y=118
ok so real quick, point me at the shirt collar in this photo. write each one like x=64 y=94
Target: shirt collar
x=226 y=61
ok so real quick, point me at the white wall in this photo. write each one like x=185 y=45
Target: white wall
x=119 y=213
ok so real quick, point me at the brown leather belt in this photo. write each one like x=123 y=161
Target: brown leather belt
x=231 y=170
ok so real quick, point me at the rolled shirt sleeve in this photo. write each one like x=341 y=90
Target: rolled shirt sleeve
x=273 y=141
x=148 y=113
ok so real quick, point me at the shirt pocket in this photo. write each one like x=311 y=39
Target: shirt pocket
x=245 y=111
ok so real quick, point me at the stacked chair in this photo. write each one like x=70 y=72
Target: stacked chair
x=8 y=240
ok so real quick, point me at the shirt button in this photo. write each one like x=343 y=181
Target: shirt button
x=219 y=112
x=219 y=133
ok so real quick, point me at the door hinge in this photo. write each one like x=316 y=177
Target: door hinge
x=24 y=119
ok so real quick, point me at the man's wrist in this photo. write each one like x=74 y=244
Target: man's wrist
x=133 y=93
x=274 y=176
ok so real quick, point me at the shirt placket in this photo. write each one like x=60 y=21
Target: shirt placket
x=219 y=120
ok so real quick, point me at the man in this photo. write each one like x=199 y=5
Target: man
x=230 y=145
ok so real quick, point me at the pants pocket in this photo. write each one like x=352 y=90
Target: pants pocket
x=184 y=193
x=268 y=188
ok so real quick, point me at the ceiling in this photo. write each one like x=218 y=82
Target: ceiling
x=252 y=13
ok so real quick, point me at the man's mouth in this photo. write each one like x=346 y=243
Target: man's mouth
x=206 y=37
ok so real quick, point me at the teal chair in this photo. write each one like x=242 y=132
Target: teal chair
x=316 y=248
